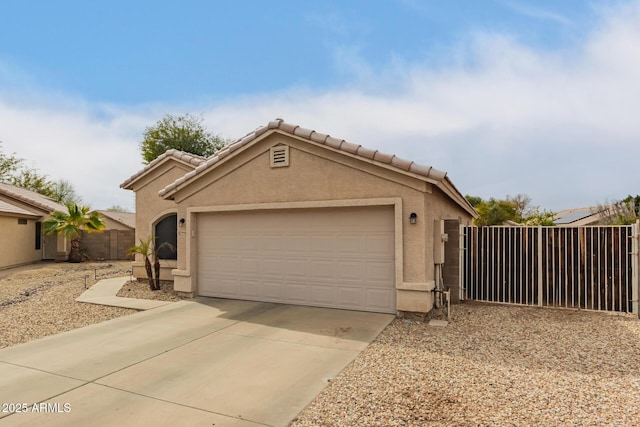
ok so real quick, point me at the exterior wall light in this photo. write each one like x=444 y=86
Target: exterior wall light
x=413 y=218
x=181 y=222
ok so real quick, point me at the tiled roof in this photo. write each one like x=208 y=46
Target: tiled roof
x=181 y=156
x=8 y=208
x=427 y=172
x=30 y=198
x=124 y=218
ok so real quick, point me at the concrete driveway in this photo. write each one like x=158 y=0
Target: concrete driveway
x=202 y=362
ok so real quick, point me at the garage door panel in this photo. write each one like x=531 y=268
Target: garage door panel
x=297 y=243
x=323 y=243
x=334 y=257
x=297 y=268
x=352 y=244
x=351 y=270
x=297 y=292
x=380 y=245
x=380 y=298
x=273 y=267
x=322 y=270
x=322 y=294
x=250 y=265
x=351 y=297
x=271 y=243
x=251 y=288
x=379 y=273
x=273 y=291
x=230 y=264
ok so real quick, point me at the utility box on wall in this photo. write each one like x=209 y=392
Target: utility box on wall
x=439 y=240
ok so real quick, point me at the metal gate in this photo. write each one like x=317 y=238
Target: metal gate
x=591 y=268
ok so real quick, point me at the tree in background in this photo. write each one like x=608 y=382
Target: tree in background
x=185 y=133
x=118 y=208
x=513 y=208
x=620 y=212
x=495 y=212
x=71 y=224
x=9 y=165
x=13 y=171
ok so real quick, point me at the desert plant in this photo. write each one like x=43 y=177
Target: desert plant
x=147 y=249
x=71 y=224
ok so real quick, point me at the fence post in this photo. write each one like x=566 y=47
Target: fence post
x=462 y=290
x=635 y=257
x=540 y=283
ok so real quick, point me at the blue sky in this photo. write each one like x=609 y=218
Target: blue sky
x=507 y=96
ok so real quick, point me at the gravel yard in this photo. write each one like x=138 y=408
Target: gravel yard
x=492 y=365
x=39 y=300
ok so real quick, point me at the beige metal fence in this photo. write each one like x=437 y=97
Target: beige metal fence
x=591 y=268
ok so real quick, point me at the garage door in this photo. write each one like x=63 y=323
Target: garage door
x=340 y=258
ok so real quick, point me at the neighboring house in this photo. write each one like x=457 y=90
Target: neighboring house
x=119 y=220
x=114 y=242
x=578 y=217
x=21 y=215
x=290 y=215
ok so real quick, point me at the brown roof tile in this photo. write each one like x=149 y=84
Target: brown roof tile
x=333 y=142
x=366 y=152
x=303 y=132
x=187 y=158
x=31 y=198
x=401 y=163
x=318 y=137
x=383 y=157
x=125 y=218
x=428 y=172
x=12 y=210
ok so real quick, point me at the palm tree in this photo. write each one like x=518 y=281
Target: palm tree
x=145 y=248
x=71 y=224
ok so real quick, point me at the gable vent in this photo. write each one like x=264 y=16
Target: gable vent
x=279 y=156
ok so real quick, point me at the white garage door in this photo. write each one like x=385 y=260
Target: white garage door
x=341 y=258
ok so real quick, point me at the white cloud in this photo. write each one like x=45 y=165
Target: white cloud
x=501 y=118
x=538 y=13
x=560 y=126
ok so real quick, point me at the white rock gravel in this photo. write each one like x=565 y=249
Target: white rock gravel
x=140 y=289
x=39 y=300
x=493 y=365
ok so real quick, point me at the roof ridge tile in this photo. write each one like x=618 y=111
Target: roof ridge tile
x=315 y=137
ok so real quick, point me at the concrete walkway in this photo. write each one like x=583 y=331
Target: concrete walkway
x=200 y=362
x=104 y=293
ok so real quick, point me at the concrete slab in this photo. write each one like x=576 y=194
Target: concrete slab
x=186 y=364
x=343 y=329
x=237 y=376
x=95 y=405
x=97 y=350
x=104 y=293
x=25 y=385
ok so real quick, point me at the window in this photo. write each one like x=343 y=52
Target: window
x=38 y=235
x=166 y=232
x=22 y=221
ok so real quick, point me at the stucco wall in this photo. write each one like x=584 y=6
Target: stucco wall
x=318 y=174
x=150 y=208
x=20 y=240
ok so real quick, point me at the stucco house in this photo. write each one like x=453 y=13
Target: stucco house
x=21 y=215
x=290 y=215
